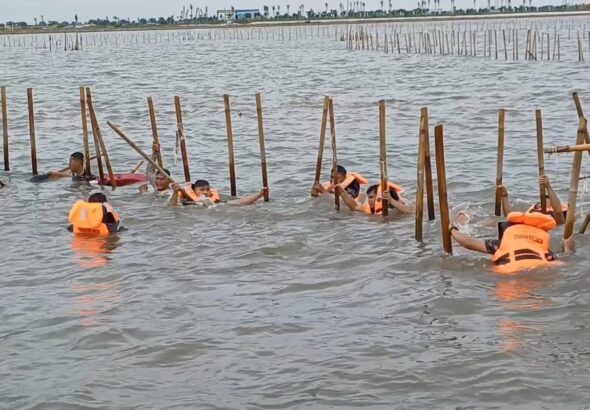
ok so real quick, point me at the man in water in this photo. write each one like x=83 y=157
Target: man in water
x=85 y=220
x=349 y=181
x=373 y=205
x=201 y=193
x=554 y=202
x=76 y=171
x=523 y=241
x=158 y=182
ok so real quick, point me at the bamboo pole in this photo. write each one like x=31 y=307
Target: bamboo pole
x=500 y=162
x=568 y=148
x=5 y=128
x=99 y=142
x=32 y=131
x=139 y=151
x=136 y=167
x=580 y=112
x=383 y=157
x=334 y=154
x=262 y=148
x=428 y=165
x=574 y=181
x=154 y=124
x=418 y=235
x=584 y=225
x=230 y=145
x=541 y=160
x=87 y=160
x=442 y=189
x=181 y=138
x=318 y=166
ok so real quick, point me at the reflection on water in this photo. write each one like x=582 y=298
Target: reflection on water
x=93 y=251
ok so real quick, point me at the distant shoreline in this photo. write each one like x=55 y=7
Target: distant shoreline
x=291 y=23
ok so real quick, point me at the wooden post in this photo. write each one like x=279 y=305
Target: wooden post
x=155 y=137
x=318 y=166
x=5 y=128
x=139 y=151
x=442 y=189
x=180 y=134
x=85 y=131
x=334 y=154
x=32 y=130
x=427 y=164
x=574 y=181
x=420 y=181
x=99 y=144
x=580 y=112
x=500 y=162
x=383 y=157
x=541 y=160
x=262 y=148
x=230 y=146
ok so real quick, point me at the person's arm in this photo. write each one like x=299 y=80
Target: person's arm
x=348 y=200
x=248 y=200
x=317 y=189
x=553 y=200
x=467 y=242
x=59 y=174
x=506 y=208
x=176 y=192
x=150 y=170
x=401 y=205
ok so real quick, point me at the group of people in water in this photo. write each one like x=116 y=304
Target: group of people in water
x=523 y=238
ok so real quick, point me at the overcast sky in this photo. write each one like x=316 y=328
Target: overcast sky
x=26 y=10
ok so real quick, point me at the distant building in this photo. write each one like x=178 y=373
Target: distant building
x=247 y=14
x=224 y=15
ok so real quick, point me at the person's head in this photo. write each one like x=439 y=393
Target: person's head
x=161 y=181
x=537 y=208
x=341 y=174
x=76 y=162
x=202 y=187
x=98 y=198
x=372 y=193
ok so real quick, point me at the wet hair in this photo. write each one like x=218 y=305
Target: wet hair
x=201 y=183
x=374 y=188
x=77 y=155
x=341 y=170
x=165 y=170
x=98 y=198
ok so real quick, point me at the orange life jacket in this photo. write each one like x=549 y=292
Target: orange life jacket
x=87 y=218
x=378 y=201
x=525 y=244
x=192 y=195
x=350 y=177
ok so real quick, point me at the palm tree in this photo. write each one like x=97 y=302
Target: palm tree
x=381 y=5
x=390 y=6
x=278 y=10
x=191 y=11
x=35 y=20
x=273 y=10
x=265 y=8
x=288 y=7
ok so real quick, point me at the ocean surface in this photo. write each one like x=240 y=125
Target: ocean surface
x=287 y=304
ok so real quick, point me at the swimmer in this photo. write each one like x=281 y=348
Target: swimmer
x=94 y=217
x=373 y=203
x=158 y=182
x=349 y=181
x=76 y=170
x=201 y=193
x=523 y=241
x=554 y=202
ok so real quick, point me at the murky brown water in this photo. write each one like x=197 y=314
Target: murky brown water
x=287 y=304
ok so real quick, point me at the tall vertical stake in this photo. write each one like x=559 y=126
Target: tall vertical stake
x=32 y=130
x=87 y=167
x=262 y=147
x=334 y=154
x=230 y=146
x=5 y=128
x=541 y=160
x=155 y=137
x=318 y=166
x=500 y=161
x=383 y=157
x=442 y=188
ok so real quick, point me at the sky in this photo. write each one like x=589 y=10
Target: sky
x=26 y=10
